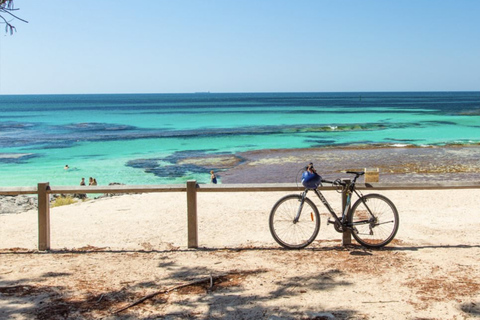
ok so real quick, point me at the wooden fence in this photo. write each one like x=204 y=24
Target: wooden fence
x=44 y=190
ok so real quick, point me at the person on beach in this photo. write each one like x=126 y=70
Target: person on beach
x=90 y=181
x=66 y=167
x=81 y=195
x=94 y=182
x=213 y=177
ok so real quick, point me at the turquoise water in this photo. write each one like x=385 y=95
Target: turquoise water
x=139 y=139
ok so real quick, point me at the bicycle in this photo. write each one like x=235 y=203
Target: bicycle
x=295 y=221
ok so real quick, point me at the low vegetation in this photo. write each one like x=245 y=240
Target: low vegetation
x=62 y=201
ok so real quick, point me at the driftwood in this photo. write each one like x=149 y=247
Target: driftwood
x=190 y=283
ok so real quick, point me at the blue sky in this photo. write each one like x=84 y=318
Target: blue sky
x=158 y=46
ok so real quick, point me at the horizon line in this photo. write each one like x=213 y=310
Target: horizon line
x=236 y=92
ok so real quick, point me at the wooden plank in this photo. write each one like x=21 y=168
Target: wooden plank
x=118 y=189
x=14 y=191
x=275 y=187
x=253 y=187
x=192 y=214
x=43 y=217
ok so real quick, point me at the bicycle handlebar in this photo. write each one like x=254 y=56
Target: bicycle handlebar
x=338 y=182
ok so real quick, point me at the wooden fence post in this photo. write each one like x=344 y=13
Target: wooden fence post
x=43 y=216
x=192 y=214
x=346 y=235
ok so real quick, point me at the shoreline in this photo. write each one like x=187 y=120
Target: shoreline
x=407 y=164
x=396 y=164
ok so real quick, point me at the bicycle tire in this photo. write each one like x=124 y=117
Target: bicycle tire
x=292 y=235
x=378 y=231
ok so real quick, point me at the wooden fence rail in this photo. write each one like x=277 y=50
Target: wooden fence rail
x=44 y=190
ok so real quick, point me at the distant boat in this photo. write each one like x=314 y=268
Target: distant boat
x=202 y=92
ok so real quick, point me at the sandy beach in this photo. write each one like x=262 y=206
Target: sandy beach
x=107 y=253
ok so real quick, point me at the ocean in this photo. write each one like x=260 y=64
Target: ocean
x=149 y=138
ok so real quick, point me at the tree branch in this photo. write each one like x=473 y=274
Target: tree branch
x=8 y=26
x=6 y=7
x=8 y=11
x=151 y=295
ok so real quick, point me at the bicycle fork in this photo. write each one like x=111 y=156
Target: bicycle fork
x=300 y=207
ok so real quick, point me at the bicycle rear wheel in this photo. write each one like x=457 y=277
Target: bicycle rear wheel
x=288 y=233
x=374 y=220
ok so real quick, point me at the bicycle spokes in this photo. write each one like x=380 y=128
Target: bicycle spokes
x=294 y=222
x=374 y=220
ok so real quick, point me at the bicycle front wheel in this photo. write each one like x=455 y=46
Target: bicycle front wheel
x=285 y=230
x=374 y=220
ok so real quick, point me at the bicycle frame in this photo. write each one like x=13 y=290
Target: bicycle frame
x=330 y=209
x=340 y=220
x=321 y=197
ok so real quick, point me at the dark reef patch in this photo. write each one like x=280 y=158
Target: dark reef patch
x=9 y=125
x=403 y=140
x=98 y=127
x=16 y=158
x=176 y=171
x=49 y=137
x=144 y=163
x=183 y=163
x=320 y=142
x=442 y=122
x=61 y=144
x=473 y=112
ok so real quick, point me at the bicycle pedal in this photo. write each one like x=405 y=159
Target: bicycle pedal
x=330 y=221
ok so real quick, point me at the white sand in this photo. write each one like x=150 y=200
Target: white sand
x=431 y=271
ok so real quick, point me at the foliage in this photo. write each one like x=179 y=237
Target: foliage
x=6 y=11
x=62 y=201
